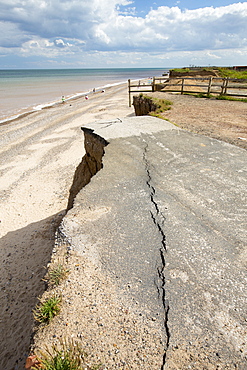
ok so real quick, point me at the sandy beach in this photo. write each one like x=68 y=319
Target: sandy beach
x=39 y=155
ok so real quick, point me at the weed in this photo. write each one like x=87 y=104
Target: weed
x=57 y=273
x=46 y=310
x=66 y=355
x=162 y=106
x=203 y=95
x=146 y=97
x=154 y=114
x=225 y=97
x=219 y=97
x=157 y=106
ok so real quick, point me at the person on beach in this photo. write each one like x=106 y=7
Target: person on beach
x=86 y=97
x=63 y=99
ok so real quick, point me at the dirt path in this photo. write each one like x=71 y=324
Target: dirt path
x=39 y=154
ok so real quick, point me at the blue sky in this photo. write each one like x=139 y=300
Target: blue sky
x=143 y=6
x=122 y=33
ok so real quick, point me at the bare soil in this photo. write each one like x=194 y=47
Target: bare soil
x=219 y=119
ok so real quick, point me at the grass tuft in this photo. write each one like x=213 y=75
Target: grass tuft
x=219 y=97
x=231 y=98
x=66 y=355
x=57 y=273
x=204 y=95
x=45 y=311
x=162 y=105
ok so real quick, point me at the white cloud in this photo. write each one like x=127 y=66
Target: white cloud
x=11 y=36
x=51 y=28
x=60 y=43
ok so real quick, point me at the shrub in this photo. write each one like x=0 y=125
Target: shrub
x=46 y=310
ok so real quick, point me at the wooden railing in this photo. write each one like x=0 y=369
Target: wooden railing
x=196 y=85
x=141 y=87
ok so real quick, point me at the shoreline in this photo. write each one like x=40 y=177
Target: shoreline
x=51 y=104
x=39 y=155
x=31 y=90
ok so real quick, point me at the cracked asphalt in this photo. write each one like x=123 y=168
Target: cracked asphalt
x=171 y=234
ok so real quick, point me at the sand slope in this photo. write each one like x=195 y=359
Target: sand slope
x=39 y=154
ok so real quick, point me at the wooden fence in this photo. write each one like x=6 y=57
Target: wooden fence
x=196 y=85
x=142 y=87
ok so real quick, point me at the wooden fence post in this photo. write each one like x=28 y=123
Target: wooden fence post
x=226 y=84
x=182 y=86
x=129 y=93
x=210 y=84
x=153 y=84
x=222 y=87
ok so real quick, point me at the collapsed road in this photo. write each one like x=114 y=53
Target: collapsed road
x=165 y=221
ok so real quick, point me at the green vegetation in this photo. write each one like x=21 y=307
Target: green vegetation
x=231 y=98
x=57 y=273
x=46 y=310
x=66 y=355
x=219 y=97
x=222 y=71
x=162 y=106
x=231 y=73
x=186 y=70
x=181 y=70
x=202 y=95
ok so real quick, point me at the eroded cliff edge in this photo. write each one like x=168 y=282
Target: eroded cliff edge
x=90 y=164
x=156 y=255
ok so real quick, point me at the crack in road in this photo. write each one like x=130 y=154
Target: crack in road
x=158 y=220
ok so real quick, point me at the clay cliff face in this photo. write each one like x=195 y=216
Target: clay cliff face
x=143 y=105
x=91 y=163
x=193 y=73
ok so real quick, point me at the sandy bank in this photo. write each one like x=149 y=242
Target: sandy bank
x=39 y=154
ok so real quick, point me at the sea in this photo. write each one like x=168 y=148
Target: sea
x=26 y=90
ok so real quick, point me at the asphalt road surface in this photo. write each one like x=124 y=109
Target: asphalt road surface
x=171 y=232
